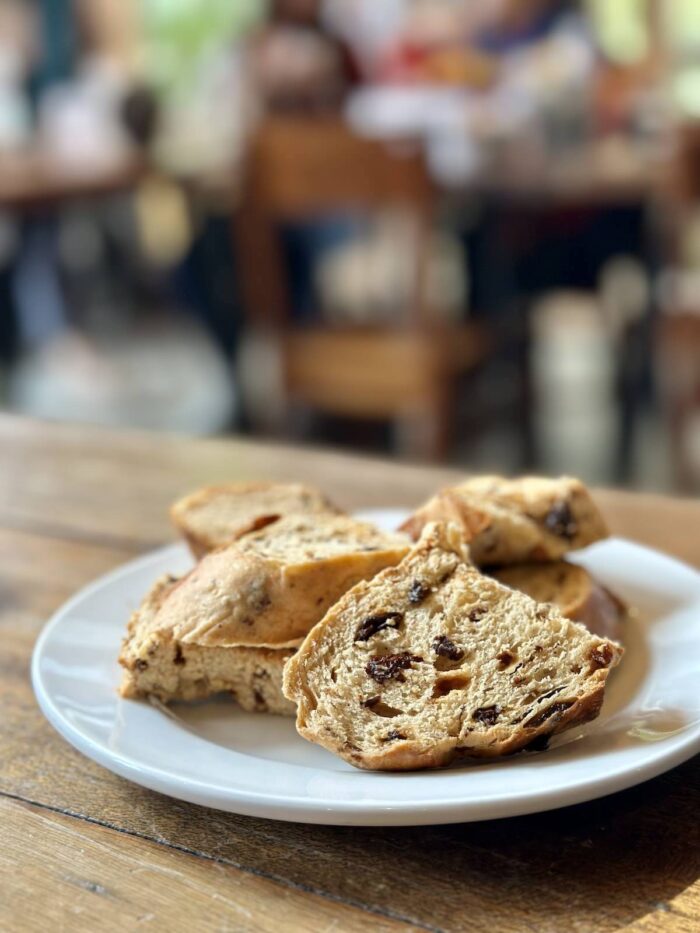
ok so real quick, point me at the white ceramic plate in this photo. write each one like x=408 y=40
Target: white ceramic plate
x=213 y=754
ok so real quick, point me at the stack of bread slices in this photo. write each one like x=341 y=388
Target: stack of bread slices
x=465 y=632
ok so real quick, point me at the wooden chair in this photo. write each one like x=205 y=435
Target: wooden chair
x=300 y=169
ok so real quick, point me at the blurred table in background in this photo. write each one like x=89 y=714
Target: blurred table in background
x=482 y=144
x=33 y=179
x=600 y=172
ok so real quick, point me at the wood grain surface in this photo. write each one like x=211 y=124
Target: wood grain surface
x=115 y=881
x=85 y=850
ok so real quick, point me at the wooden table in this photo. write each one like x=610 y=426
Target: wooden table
x=81 y=849
x=31 y=179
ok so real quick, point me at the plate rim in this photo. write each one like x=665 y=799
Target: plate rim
x=309 y=809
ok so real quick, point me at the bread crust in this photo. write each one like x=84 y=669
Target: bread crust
x=157 y=665
x=603 y=613
x=271 y=586
x=412 y=756
x=572 y=588
x=515 y=521
x=213 y=516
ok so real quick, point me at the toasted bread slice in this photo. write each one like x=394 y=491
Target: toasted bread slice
x=217 y=515
x=516 y=521
x=272 y=585
x=431 y=660
x=158 y=665
x=573 y=591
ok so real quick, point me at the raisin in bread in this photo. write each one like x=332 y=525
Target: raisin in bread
x=432 y=659
x=272 y=585
x=216 y=515
x=573 y=591
x=514 y=521
x=158 y=665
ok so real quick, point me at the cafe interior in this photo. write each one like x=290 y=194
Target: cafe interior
x=448 y=231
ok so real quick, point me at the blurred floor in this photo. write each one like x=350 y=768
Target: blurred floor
x=165 y=375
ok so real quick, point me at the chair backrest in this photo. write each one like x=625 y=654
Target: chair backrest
x=300 y=168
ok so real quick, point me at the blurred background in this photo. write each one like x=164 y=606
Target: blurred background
x=464 y=231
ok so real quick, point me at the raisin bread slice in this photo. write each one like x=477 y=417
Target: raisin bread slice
x=216 y=515
x=573 y=591
x=272 y=585
x=515 y=521
x=432 y=659
x=158 y=665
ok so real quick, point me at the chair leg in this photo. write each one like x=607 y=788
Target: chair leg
x=525 y=406
x=428 y=434
x=678 y=420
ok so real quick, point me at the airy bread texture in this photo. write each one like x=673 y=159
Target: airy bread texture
x=515 y=521
x=271 y=586
x=217 y=515
x=573 y=591
x=158 y=665
x=432 y=659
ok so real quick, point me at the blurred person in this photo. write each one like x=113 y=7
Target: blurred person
x=55 y=44
x=367 y=28
x=96 y=336
x=434 y=45
x=396 y=41
x=296 y=63
x=75 y=123
x=115 y=31
x=17 y=50
x=505 y=25
x=456 y=42
x=49 y=57
x=299 y=67
x=547 y=49
x=499 y=34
